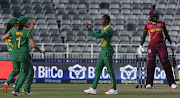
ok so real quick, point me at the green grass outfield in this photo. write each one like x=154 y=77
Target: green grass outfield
x=76 y=91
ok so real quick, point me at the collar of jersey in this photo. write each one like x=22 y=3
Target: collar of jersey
x=24 y=28
x=106 y=27
x=153 y=22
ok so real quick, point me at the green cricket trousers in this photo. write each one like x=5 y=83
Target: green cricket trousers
x=105 y=58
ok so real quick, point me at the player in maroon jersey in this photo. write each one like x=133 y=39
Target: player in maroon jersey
x=157 y=34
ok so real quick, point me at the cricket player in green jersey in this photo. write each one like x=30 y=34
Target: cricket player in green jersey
x=13 y=23
x=105 y=56
x=29 y=79
x=20 y=53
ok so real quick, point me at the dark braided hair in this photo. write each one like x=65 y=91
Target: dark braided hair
x=107 y=17
x=8 y=27
x=21 y=25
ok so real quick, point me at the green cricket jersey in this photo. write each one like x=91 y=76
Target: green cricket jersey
x=10 y=46
x=105 y=34
x=20 y=40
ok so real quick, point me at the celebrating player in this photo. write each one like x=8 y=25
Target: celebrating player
x=29 y=79
x=105 y=56
x=20 y=53
x=157 y=45
x=13 y=23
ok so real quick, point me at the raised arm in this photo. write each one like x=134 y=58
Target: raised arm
x=97 y=34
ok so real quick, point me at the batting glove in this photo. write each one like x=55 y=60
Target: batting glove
x=140 y=49
x=173 y=45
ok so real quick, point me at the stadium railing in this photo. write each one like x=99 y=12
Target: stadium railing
x=74 y=51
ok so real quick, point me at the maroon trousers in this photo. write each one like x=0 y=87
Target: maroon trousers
x=161 y=50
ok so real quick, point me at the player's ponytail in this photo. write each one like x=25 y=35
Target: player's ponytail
x=21 y=25
x=153 y=7
x=8 y=27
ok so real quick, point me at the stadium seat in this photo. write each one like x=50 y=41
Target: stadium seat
x=124 y=40
x=83 y=1
x=41 y=21
x=114 y=6
x=86 y=49
x=172 y=1
x=80 y=39
x=25 y=1
x=51 y=21
x=70 y=39
x=94 y=1
x=86 y=21
x=146 y=11
x=53 y=27
x=131 y=49
x=58 y=48
x=76 y=22
x=162 y=1
x=96 y=49
x=136 y=6
x=119 y=27
x=174 y=28
x=136 y=11
x=104 y=11
x=177 y=12
x=91 y=40
x=135 y=39
x=115 y=40
x=126 y=6
x=125 y=12
x=114 y=1
x=75 y=49
x=146 y=2
x=121 y=49
x=93 y=11
x=119 y=22
x=125 y=1
x=48 y=48
x=42 y=27
x=146 y=6
x=61 y=11
x=65 y=27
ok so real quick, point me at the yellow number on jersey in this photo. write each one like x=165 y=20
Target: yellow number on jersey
x=19 y=39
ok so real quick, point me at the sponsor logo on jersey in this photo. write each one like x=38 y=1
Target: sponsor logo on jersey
x=159 y=24
x=149 y=50
x=154 y=12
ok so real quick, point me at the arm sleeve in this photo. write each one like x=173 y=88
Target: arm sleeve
x=99 y=35
x=30 y=35
x=10 y=32
x=98 y=32
x=145 y=28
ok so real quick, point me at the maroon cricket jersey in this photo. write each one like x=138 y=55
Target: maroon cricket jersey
x=156 y=31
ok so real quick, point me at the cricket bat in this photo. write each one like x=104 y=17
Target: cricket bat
x=176 y=74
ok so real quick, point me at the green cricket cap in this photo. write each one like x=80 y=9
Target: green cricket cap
x=23 y=19
x=13 y=20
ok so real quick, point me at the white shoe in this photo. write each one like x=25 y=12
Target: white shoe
x=14 y=86
x=174 y=86
x=148 y=86
x=15 y=93
x=91 y=91
x=27 y=93
x=111 y=92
